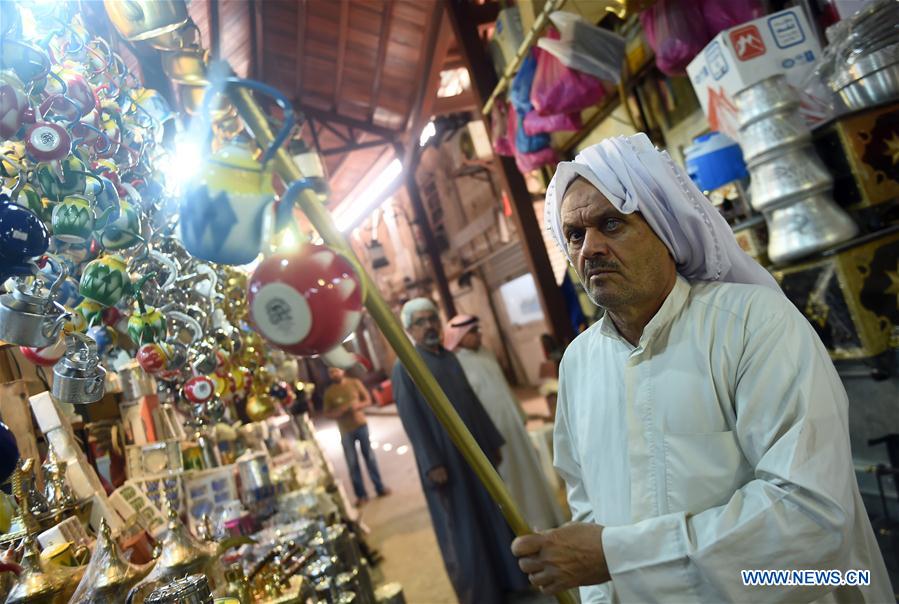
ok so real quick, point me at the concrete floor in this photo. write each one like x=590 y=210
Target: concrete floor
x=400 y=525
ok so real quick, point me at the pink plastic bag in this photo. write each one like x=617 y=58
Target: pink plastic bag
x=528 y=162
x=558 y=89
x=724 y=14
x=503 y=141
x=560 y=122
x=676 y=30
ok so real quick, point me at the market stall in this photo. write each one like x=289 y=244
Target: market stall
x=129 y=365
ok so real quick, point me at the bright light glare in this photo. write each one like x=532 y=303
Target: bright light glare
x=402 y=450
x=427 y=133
x=286 y=241
x=183 y=165
x=352 y=210
x=387 y=447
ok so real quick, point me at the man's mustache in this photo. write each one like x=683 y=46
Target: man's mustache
x=598 y=264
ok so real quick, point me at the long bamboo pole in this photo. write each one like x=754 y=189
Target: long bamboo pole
x=317 y=214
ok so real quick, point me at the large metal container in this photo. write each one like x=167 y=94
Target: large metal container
x=771 y=95
x=789 y=183
x=871 y=80
x=810 y=225
x=766 y=137
x=793 y=173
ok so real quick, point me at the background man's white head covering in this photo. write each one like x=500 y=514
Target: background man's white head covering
x=413 y=306
x=456 y=328
x=636 y=177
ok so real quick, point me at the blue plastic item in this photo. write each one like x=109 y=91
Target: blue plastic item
x=713 y=160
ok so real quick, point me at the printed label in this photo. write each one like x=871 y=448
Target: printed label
x=282 y=314
x=747 y=42
x=786 y=30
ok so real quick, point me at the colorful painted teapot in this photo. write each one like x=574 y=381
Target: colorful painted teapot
x=15 y=109
x=306 y=302
x=224 y=216
x=22 y=237
x=73 y=219
x=105 y=280
x=146 y=326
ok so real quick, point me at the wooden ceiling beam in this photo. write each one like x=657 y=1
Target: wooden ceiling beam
x=300 y=59
x=343 y=137
x=355 y=146
x=254 y=7
x=212 y=14
x=341 y=49
x=455 y=104
x=440 y=39
x=383 y=39
x=336 y=118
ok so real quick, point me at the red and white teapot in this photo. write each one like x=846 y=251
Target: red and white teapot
x=306 y=302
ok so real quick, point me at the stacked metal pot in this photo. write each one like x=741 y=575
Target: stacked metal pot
x=790 y=184
x=866 y=57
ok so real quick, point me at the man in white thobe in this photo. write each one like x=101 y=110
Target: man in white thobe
x=701 y=427
x=520 y=467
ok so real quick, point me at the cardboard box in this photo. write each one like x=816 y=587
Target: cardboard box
x=737 y=58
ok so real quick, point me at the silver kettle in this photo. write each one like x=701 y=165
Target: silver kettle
x=29 y=315
x=78 y=376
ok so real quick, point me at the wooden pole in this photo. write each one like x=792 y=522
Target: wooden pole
x=444 y=411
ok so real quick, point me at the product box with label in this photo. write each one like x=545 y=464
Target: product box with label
x=780 y=43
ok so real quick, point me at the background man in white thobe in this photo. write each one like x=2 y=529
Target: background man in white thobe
x=701 y=428
x=520 y=467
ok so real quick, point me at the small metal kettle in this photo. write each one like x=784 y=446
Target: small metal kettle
x=29 y=315
x=78 y=376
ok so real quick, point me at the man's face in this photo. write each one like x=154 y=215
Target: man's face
x=425 y=328
x=335 y=374
x=618 y=257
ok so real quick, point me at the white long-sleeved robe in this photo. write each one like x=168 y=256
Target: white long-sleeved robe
x=520 y=468
x=719 y=443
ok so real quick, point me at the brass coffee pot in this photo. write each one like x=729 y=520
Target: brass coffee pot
x=36 y=585
x=108 y=576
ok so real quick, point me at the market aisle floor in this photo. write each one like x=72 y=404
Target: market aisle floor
x=400 y=524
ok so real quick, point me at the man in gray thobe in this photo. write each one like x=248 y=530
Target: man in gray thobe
x=472 y=533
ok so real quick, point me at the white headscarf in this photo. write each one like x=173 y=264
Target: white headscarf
x=456 y=329
x=413 y=306
x=635 y=176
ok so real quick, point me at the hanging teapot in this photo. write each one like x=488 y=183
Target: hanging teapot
x=105 y=280
x=147 y=325
x=306 y=302
x=58 y=178
x=138 y=20
x=78 y=376
x=122 y=229
x=73 y=219
x=22 y=237
x=27 y=197
x=15 y=109
x=29 y=316
x=224 y=216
